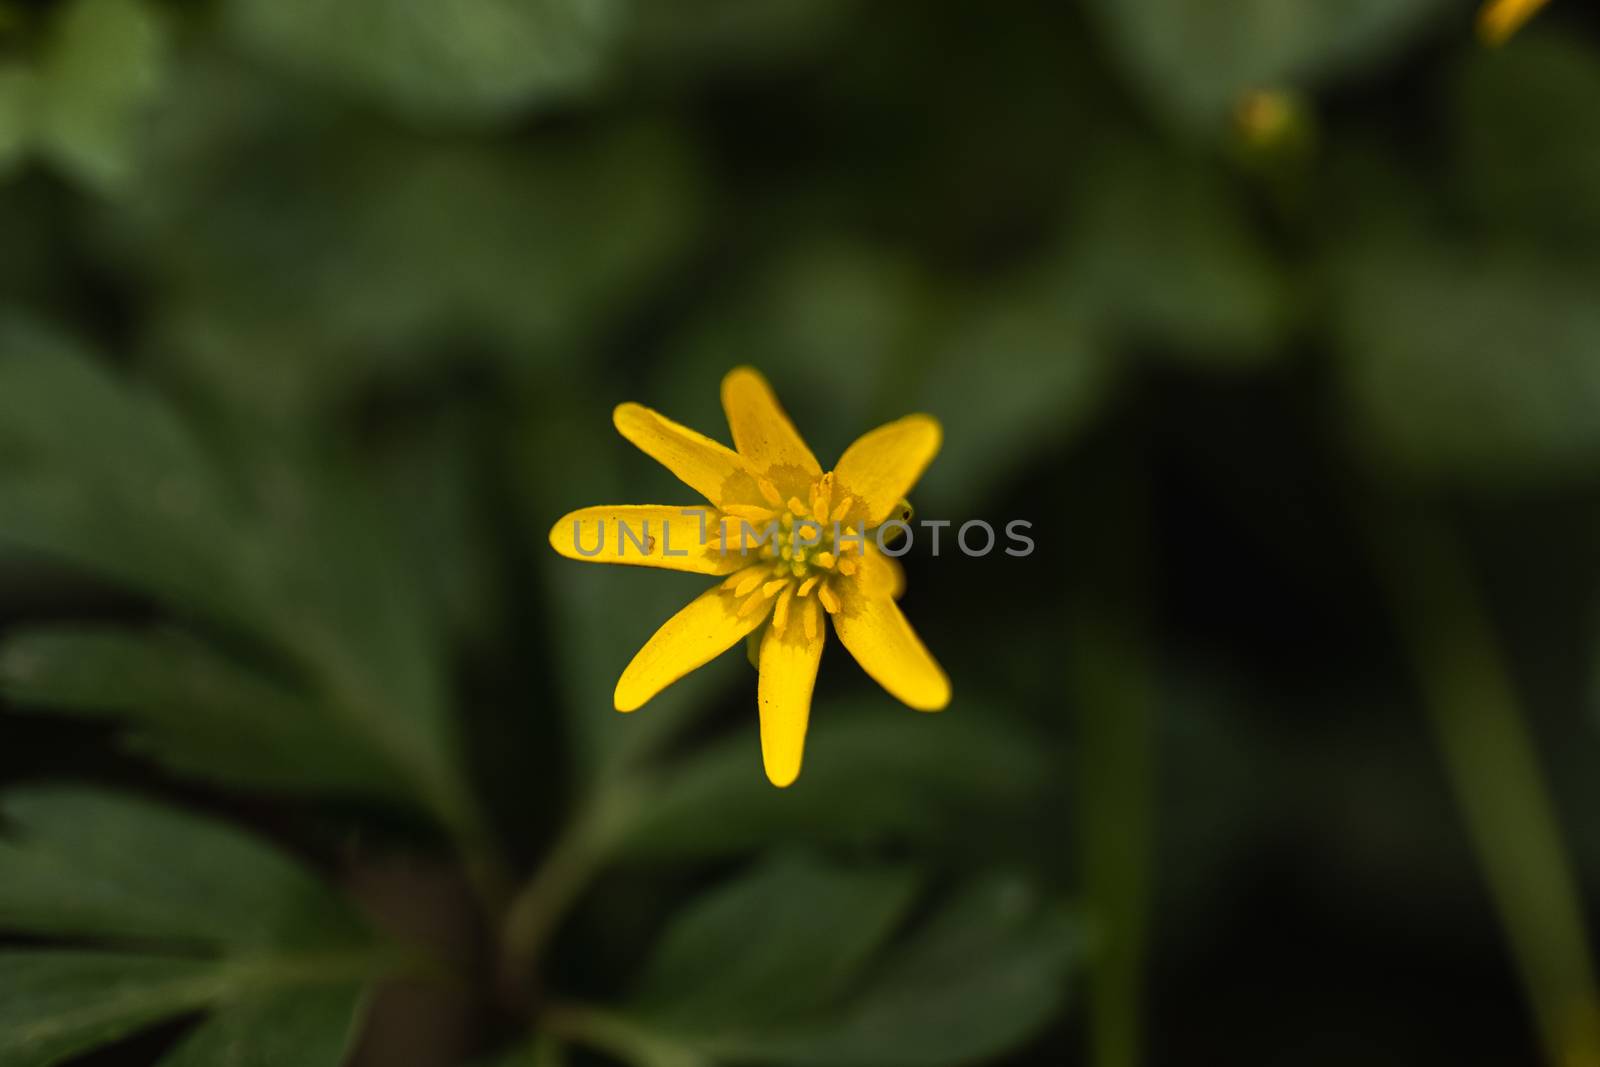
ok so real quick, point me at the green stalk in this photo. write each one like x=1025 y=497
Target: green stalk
x=1116 y=774
x=1114 y=694
x=540 y=904
x=1494 y=771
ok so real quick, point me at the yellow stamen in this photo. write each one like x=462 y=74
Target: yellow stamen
x=773 y=586
x=733 y=579
x=809 y=584
x=756 y=600
x=811 y=624
x=780 y=614
x=770 y=491
x=824 y=560
x=750 y=582
x=843 y=508
x=822 y=496
x=847 y=566
x=829 y=600
x=797 y=507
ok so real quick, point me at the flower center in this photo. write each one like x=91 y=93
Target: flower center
x=804 y=546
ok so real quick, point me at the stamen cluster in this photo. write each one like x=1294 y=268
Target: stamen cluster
x=799 y=549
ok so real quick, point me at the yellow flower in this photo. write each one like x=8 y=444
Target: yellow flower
x=777 y=588
x=1499 y=19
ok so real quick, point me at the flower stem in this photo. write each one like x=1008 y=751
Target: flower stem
x=544 y=899
x=1494 y=771
x=611 y=1033
x=1113 y=691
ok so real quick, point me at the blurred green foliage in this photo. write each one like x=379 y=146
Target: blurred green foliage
x=312 y=316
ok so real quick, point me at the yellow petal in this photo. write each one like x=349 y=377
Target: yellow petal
x=644 y=535
x=761 y=431
x=713 y=470
x=707 y=627
x=1499 y=19
x=882 y=641
x=880 y=575
x=883 y=464
x=789 y=661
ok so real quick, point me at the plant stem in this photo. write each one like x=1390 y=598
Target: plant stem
x=1494 y=771
x=1116 y=774
x=539 y=904
x=1115 y=697
x=618 y=1036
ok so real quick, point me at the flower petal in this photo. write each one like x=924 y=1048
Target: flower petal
x=788 y=673
x=882 y=641
x=711 y=469
x=879 y=574
x=702 y=631
x=762 y=432
x=645 y=535
x=883 y=464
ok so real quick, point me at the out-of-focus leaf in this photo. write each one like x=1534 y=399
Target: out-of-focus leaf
x=101 y=71
x=829 y=310
x=783 y=941
x=1195 y=58
x=16 y=113
x=57 y=1004
x=1476 y=365
x=1013 y=373
x=86 y=863
x=872 y=772
x=219 y=920
x=775 y=976
x=984 y=974
x=705 y=36
x=357 y=252
x=106 y=478
x=1169 y=258
x=311 y=1026
x=97 y=473
x=442 y=60
x=193 y=710
x=1528 y=131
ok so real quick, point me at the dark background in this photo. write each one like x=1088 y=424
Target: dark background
x=1276 y=318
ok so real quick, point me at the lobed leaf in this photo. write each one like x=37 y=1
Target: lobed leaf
x=212 y=920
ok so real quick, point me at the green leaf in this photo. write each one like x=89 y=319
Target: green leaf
x=211 y=918
x=194 y=710
x=985 y=974
x=1195 y=58
x=16 y=113
x=1527 y=127
x=346 y=263
x=1169 y=258
x=100 y=475
x=1011 y=374
x=793 y=964
x=100 y=72
x=310 y=1026
x=1475 y=365
x=55 y=1005
x=438 y=59
x=91 y=864
x=874 y=771
x=786 y=939
x=94 y=472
